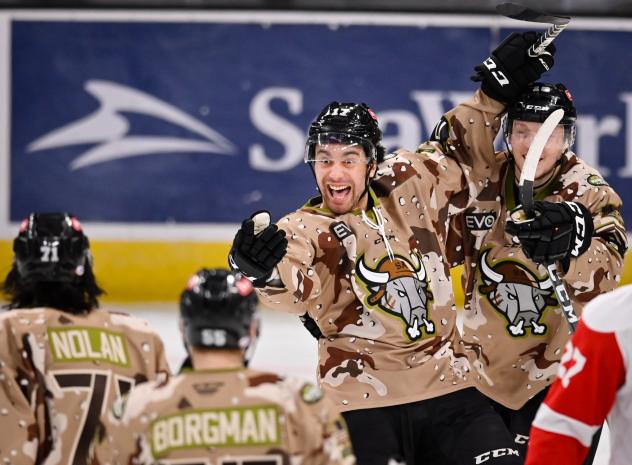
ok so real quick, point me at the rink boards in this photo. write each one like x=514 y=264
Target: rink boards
x=162 y=130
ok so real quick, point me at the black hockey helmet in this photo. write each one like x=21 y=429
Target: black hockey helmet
x=51 y=247
x=538 y=102
x=217 y=309
x=346 y=123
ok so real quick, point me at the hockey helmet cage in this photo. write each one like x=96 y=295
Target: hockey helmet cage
x=217 y=309
x=51 y=247
x=352 y=123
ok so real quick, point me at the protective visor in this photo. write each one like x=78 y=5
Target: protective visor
x=522 y=132
x=323 y=147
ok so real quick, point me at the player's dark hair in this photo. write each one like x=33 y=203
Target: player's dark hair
x=77 y=297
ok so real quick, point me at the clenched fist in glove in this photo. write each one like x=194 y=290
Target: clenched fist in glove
x=509 y=69
x=559 y=231
x=257 y=248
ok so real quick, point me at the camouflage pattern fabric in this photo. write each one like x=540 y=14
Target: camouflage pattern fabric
x=377 y=283
x=59 y=372
x=230 y=417
x=515 y=330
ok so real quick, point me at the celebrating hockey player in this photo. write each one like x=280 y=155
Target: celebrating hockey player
x=593 y=383
x=63 y=360
x=365 y=261
x=219 y=411
x=512 y=312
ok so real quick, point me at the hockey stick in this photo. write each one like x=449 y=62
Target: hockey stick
x=530 y=166
x=524 y=13
x=525 y=189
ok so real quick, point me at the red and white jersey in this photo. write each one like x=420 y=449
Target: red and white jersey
x=594 y=382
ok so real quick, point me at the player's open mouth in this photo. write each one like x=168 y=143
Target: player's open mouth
x=338 y=192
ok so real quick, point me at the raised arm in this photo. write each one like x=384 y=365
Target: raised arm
x=467 y=132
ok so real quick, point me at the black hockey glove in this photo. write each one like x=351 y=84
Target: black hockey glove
x=559 y=231
x=257 y=248
x=311 y=326
x=509 y=69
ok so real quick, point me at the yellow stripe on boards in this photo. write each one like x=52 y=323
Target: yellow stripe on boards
x=158 y=271
x=143 y=271
x=152 y=271
x=6 y=258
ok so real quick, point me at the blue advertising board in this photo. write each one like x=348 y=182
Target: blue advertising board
x=203 y=122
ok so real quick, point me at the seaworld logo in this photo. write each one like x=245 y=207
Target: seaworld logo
x=109 y=128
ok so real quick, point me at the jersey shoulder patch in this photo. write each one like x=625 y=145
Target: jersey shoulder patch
x=310 y=393
x=596 y=180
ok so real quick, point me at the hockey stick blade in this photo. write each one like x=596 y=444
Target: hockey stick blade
x=530 y=166
x=524 y=13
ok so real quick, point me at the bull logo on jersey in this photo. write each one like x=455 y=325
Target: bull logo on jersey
x=517 y=293
x=399 y=287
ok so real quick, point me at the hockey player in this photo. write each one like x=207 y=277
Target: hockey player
x=512 y=318
x=365 y=261
x=594 y=382
x=220 y=412
x=62 y=360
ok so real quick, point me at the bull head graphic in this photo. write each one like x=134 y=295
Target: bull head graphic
x=400 y=288
x=517 y=293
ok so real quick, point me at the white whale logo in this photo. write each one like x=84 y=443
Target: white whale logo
x=109 y=128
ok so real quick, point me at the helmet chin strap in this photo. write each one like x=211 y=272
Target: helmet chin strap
x=367 y=180
x=311 y=167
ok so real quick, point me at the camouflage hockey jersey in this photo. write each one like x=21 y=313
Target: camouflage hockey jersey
x=377 y=284
x=512 y=321
x=229 y=417
x=59 y=372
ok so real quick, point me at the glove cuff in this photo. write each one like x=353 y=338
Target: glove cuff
x=261 y=282
x=238 y=263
